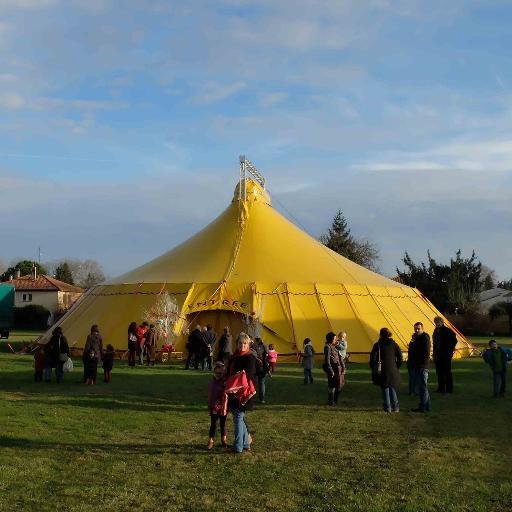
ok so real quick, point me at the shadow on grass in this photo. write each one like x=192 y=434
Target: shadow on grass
x=111 y=448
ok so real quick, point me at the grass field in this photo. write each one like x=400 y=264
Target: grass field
x=138 y=443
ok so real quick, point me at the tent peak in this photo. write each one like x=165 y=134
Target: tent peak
x=251 y=185
x=250 y=191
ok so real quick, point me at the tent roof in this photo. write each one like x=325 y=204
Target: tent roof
x=251 y=242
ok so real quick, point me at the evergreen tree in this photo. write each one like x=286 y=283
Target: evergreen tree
x=507 y=285
x=63 y=273
x=449 y=287
x=339 y=239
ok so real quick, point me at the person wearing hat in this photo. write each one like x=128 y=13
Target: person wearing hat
x=385 y=360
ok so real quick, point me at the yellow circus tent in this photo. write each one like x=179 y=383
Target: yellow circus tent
x=253 y=270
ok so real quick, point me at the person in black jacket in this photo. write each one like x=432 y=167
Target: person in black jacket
x=420 y=357
x=385 y=359
x=56 y=354
x=334 y=367
x=194 y=345
x=445 y=341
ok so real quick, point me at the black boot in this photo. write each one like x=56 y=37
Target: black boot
x=330 y=398
x=336 y=395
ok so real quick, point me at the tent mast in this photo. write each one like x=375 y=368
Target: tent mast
x=248 y=170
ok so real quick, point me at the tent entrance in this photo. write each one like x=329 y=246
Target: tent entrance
x=218 y=319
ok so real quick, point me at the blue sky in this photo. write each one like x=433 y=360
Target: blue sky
x=121 y=123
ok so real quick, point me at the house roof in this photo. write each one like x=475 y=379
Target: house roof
x=489 y=298
x=42 y=283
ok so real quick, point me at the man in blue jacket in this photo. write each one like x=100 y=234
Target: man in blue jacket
x=497 y=358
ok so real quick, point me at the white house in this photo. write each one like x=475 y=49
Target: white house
x=54 y=295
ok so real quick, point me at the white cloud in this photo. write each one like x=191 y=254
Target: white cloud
x=54 y=103
x=296 y=34
x=213 y=92
x=11 y=101
x=273 y=98
x=8 y=78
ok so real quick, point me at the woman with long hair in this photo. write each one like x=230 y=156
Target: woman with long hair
x=133 y=344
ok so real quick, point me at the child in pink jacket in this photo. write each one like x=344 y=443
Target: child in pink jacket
x=272 y=358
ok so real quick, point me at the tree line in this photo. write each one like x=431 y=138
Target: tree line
x=452 y=287
x=82 y=273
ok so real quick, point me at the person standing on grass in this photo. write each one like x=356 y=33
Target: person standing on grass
x=413 y=385
x=39 y=364
x=150 y=345
x=210 y=337
x=90 y=367
x=94 y=342
x=272 y=356
x=334 y=368
x=445 y=341
x=132 y=343
x=243 y=359
x=261 y=352
x=225 y=346
x=108 y=362
x=420 y=358
x=141 y=340
x=194 y=342
x=385 y=360
x=217 y=404
x=308 y=356
x=57 y=353
x=342 y=345
x=497 y=358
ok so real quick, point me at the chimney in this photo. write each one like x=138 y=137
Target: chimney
x=35 y=272
x=10 y=277
x=18 y=273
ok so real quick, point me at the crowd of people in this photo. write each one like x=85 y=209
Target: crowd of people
x=240 y=373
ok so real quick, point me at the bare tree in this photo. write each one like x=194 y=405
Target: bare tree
x=163 y=313
x=86 y=273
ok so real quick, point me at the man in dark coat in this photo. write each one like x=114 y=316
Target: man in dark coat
x=444 y=344
x=420 y=357
x=194 y=344
x=210 y=337
x=225 y=346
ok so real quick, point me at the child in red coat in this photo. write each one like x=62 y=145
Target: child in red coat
x=39 y=364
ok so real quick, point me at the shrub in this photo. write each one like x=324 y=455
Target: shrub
x=31 y=317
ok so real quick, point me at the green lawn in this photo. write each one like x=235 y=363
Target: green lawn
x=483 y=341
x=138 y=443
